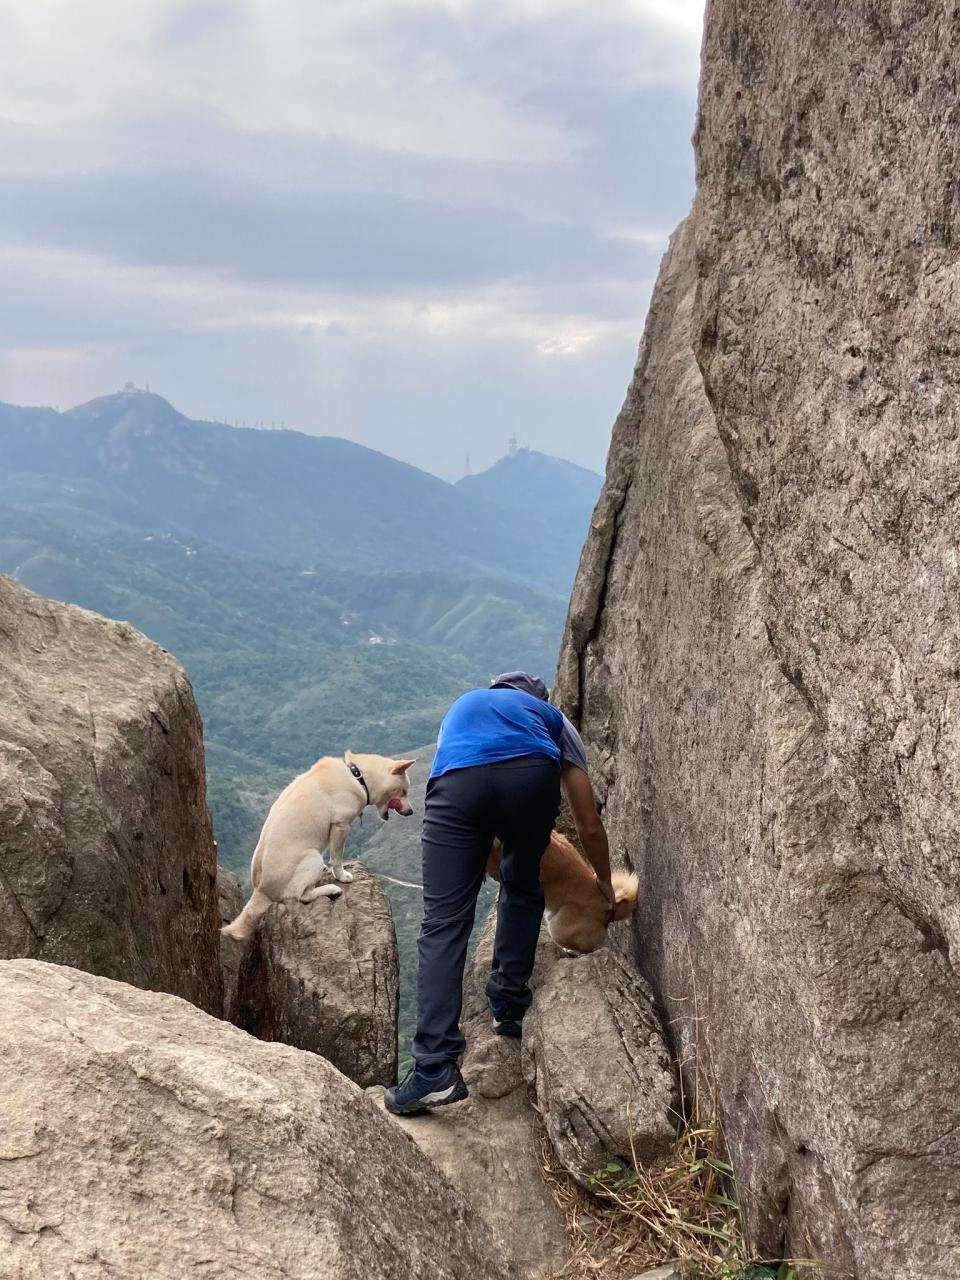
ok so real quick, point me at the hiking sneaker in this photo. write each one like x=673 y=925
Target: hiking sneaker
x=507 y=1021
x=425 y=1087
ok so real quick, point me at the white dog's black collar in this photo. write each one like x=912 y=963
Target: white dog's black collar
x=360 y=778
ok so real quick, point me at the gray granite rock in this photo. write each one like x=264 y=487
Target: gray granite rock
x=230 y=898
x=142 y=1138
x=106 y=851
x=594 y=1053
x=324 y=976
x=489 y=1145
x=762 y=647
x=591 y=1072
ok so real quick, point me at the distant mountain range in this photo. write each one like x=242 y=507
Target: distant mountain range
x=321 y=595
x=132 y=461
x=526 y=480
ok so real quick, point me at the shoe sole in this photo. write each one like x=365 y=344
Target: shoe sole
x=441 y=1098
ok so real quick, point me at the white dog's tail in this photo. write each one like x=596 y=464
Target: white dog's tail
x=626 y=886
x=245 y=925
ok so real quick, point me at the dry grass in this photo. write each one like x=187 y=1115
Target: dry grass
x=684 y=1210
x=681 y=1211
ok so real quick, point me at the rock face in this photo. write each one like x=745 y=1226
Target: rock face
x=324 y=976
x=488 y=1146
x=106 y=849
x=143 y=1138
x=763 y=641
x=230 y=899
x=594 y=1053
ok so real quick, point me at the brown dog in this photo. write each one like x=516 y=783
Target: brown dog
x=577 y=912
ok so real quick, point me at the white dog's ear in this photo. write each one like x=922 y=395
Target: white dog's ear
x=401 y=766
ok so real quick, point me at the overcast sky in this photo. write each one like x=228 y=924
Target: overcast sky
x=425 y=225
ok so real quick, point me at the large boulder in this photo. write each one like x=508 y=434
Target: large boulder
x=143 y=1138
x=106 y=850
x=594 y=1053
x=762 y=645
x=324 y=976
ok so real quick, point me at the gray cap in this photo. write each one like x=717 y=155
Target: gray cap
x=523 y=681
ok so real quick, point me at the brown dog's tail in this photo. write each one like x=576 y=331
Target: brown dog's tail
x=626 y=886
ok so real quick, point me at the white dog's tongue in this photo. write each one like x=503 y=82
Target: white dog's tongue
x=395 y=804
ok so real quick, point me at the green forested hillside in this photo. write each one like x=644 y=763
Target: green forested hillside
x=287 y=665
x=284 y=671
x=320 y=595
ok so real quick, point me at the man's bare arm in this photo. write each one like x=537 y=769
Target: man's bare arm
x=590 y=828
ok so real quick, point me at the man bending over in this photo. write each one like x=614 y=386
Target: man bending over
x=502 y=757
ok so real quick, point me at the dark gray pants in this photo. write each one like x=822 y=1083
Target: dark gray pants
x=517 y=801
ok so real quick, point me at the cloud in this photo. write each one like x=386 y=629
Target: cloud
x=206 y=194
x=356 y=240
x=429 y=379
x=288 y=66
x=67 y=298
x=422 y=77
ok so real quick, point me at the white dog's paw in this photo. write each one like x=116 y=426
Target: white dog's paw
x=321 y=891
x=341 y=874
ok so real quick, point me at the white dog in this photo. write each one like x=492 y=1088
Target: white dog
x=312 y=814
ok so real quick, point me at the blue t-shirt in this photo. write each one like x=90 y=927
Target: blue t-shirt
x=486 y=726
